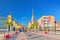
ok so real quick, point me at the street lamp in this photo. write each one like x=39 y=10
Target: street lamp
x=22 y=21
x=14 y=24
x=55 y=27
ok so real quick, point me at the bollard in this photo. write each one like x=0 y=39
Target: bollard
x=46 y=32
x=7 y=36
x=36 y=31
x=16 y=32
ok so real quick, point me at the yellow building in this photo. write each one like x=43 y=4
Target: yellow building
x=46 y=21
x=29 y=25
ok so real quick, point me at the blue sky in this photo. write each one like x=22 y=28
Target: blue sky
x=23 y=8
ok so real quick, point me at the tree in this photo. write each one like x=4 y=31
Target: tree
x=36 y=24
x=45 y=28
x=32 y=26
x=8 y=25
x=9 y=22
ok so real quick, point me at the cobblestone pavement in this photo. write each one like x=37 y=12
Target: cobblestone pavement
x=22 y=36
x=13 y=37
x=32 y=36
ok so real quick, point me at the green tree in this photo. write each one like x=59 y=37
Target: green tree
x=32 y=26
x=36 y=24
x=8 y=25
x=45 y=28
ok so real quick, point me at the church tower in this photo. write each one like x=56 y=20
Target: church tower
x=32 y=20
x=30 y=25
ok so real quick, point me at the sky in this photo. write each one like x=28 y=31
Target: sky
x=21 y=10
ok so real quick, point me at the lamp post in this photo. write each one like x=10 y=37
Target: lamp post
x=55 y=27
x=22 y=21
x=14 y=24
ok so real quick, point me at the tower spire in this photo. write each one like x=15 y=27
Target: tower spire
x=32 y=17
x=32 y=12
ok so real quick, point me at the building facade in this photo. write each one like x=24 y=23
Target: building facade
x=46 y=21
x=58 y=25
x=3 y=21
x=29 y=25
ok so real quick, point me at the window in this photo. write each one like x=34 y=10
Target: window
x=44 y=23
x=45 y=18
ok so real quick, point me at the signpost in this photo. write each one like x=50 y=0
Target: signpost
x=55 y=27
x=22 y=21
